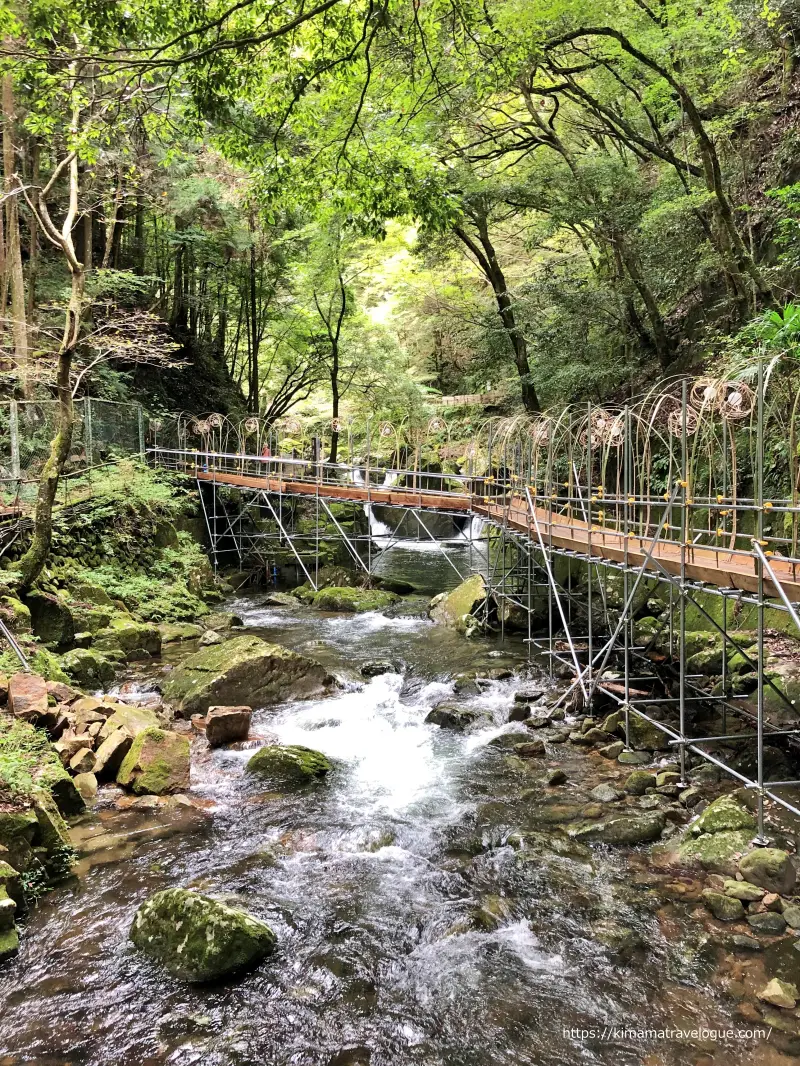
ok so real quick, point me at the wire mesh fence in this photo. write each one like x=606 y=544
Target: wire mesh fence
x=102 y=432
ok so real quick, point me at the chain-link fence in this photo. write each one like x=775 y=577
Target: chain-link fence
x=103 y=431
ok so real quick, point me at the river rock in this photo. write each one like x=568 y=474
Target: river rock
x=639 y=781
x=86 y=784
x=109 y=756
x=605 y=793
x=244 y=670
x=353 y=600
x=791 y=915
x=198 y=938
x=376 y=667
x=224 y=725
x=456 y=608
x=768 y=922
x=27 y=696
x=211 y=637
x=780 y=994
x=613 y=750
x=530 y=749
x=521 y=712
x=555 y=777
x=158 y=762
x=177 y=632
x=718 y=852
x=743 y=890
x=723 y=907
x=127 y=640
x=452 y=716
x=769 y=868
x=51 y=619
x=633 y=758
x=83 y=761
x=288 y=766
x=636 y=829
x=725 y=813
x=87 y=667
x=134 y=719
x=222 y=621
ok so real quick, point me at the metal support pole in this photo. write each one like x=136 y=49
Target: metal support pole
x=760 y=837
x=682 y=604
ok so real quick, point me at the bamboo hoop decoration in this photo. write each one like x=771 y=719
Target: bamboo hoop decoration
x=385 y=429
x=739 y=401
x=675 y=422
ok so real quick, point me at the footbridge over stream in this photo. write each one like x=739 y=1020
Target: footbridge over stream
x=669 y=493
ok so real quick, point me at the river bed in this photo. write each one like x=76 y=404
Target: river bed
x=412 y=927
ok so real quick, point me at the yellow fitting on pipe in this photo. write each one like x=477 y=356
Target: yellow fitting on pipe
x=690 y=499
x=665 y=496
x=720 y=532
x=631 y=499
x=720 y=499
x=684 y=484
x=767 y=506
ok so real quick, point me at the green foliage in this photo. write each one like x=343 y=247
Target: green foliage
x=24 y=752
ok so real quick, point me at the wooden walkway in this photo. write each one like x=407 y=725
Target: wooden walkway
x=714 y=566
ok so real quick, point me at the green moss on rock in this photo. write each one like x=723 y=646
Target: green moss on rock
x=197 y=938
x=723 y=814
x=243 y=670
x=455 y=608
x=287 y=766
x=88 y=668
x=353 y=600
x=127 y=640
x=157 y=763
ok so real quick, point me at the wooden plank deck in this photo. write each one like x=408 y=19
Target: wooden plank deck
x=714 y=566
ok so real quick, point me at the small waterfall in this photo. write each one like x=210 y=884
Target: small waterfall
x=376 y=527
x=474 y=530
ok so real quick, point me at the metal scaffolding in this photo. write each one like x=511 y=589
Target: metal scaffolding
x=672 y=494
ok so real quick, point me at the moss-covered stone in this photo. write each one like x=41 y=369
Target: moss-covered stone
x=639 y=781
x=157 y=763
x=91 y=619
x=88 y=667
x=89 y=592
x=455 y=608
x=769 y=868
x=635 y=829
x=292 y=765
x=717 y=852
x=9 y=943
x=132 y=719
x=243 y=670
x=15 y=614
x=197 y=938
x=17 y=831
x=176 y=632
x=128 y=640
x=725 y=813
x=221 y=621
x=353 y=600
x=725 y=908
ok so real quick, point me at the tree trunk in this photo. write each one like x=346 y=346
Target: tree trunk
x=16 y=280
x=334 y=452
x=32 y=562
x=253 y=385
x=33 y=257
x=487 y=260
x=139 y=246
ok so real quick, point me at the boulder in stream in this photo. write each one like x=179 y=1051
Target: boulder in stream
x=353 y=600
x=292 y=765
x=198 y=938
x=158 y=762
x=244 y=670
x=224 y=725
x=455 y=609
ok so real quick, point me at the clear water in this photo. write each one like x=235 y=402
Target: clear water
x=371 y=882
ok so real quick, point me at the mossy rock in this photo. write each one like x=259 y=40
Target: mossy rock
x=133 y=719
x=197 y=938
x=88 y=592
x=717 y=852
x=28 y=761
x=221 y=621
x=88 y=668
x=15 y=614
x=91 y=619
x=177 y=632
x=454 y=608
x=725 y=813
x=245 y=670
x=157 y=763
x=51 y=619
x=353 y=600
x=17 y=831
x=288 y=766
x=127 y=640
x=626 y=829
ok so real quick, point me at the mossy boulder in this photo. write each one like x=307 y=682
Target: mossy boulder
x=244 y=670
x=28 y=761
x=177 y=632
x=454 y=609
x=87 y=592
x=91 y=619
x=634 y=829
x=353 y=600
x=293 y=765
x=157 y=763
x=18 y=827
x=769 y=868
x=724 y=908
x=132 y=719
x=126 y=640
x=197 y=938
x=221 y=621
x=15 y=614
x=725 y=813
x=717 y=852
x=51 y=619
x=88 y=668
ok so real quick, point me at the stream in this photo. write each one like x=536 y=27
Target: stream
x=410 y=930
